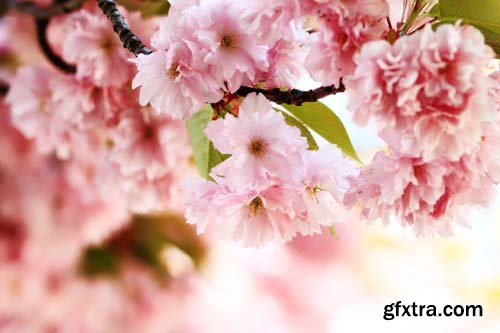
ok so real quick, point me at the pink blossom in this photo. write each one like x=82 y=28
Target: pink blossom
x=286 y=60
x=325 y=183
x=262 y=146
x=270 y=19
x=427 y=91
x=270 y=187
x=495 y=88
x=147 y=143
x=487 y=152
x=344 y=27
x=32 y=111
x=429 y=196
x=72 y=100
x=94 y=47
x=170 y=83
x=248 y=215
x=233 y=53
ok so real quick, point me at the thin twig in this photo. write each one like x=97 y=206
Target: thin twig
x=129 y=40
x=41 y=29
x=47 y=12
x=294 y=96
x=4 y=88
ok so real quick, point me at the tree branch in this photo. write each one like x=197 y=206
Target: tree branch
x=45 y=12
x=294 y=96
x=41 y=29
x=129 y=40
x=4 y=88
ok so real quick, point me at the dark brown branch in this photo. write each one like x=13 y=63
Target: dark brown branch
x=41 y=30
x=47 y=12
x=129 y=40
x=294 y=96
x=4 y=88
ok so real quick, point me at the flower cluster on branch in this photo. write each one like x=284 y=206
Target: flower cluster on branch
x=99 y=129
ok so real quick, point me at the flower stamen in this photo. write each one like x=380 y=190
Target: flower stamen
x=256 y=206
x=257 y=148
x=173 y=71
x=228 y=42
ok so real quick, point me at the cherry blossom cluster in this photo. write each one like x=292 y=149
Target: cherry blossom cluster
x=93 y=136
x=202 y=52
x=272 y=186
x=93 y=114
x=428 y=91
x=437 y=109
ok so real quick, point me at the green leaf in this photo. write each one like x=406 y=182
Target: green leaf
x=205 y=154
x=326 y=123
x=304 y=131
x=434 y=12
x=146 y=7
x=99 y=261
x=483 y=14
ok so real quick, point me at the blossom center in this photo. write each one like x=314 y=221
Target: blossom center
x=257 y=148
x=106 y=44
x=149 y=132
x=173 y=71
x=256 y=206
x=313 y=191
x=228 y=41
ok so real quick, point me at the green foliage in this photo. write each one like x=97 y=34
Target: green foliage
x=151 y=234
x=147 y=8
x=434 y=12
x=99 y=261
x=326 y=123
x=483 y=14
x=205 y=154
x=304 y=131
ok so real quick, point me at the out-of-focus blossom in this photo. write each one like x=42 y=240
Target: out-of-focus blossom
x=96 y=50
x=32 y=110
x=147 y=143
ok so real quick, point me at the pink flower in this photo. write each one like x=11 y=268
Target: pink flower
x=170 y=83
x=324 y=185
x=271 y=187
x=286 y=60
x=344 y=26
x=143 y=142
x=262 y=145
x=487 y=152
x=32 y=111
x=429 y=196
x=270 y=19
x=230 y=49
x=427 y=91
x=94 y=47
x=248 y=215
x=495 y=88
x=72 y=100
